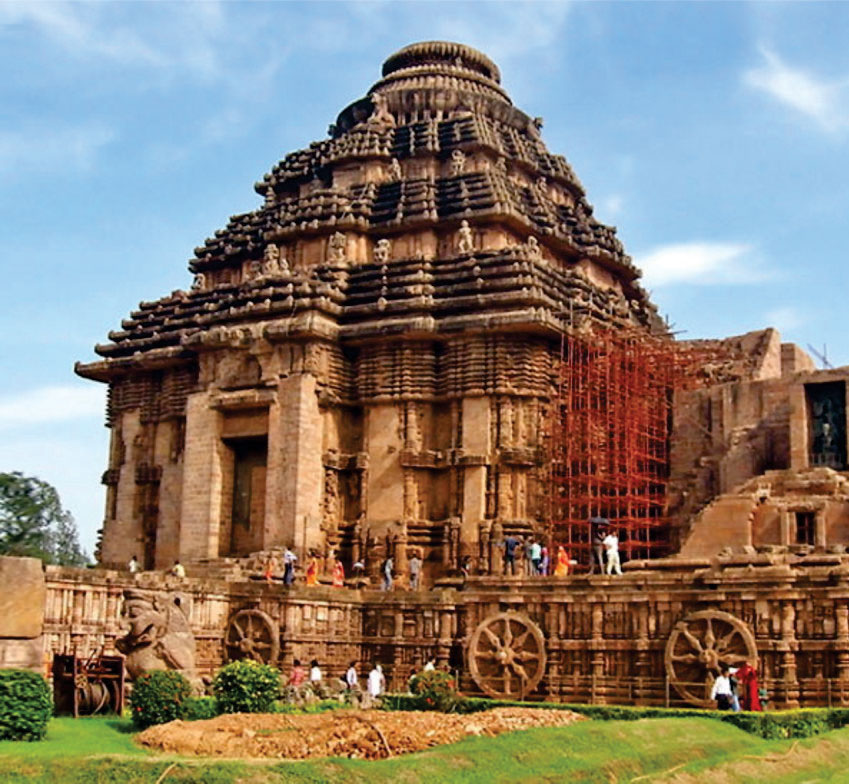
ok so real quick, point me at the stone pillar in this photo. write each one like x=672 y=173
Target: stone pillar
x=123 y=535
x=799 y=448
x=203 y=467
x=787 y=648
x=784 y=526
x=819 y=529
x=385 y=482
x=294 y=470
x=476 y=449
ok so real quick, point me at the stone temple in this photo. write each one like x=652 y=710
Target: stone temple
x=422 y=342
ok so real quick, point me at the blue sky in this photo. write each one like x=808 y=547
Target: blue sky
x=714 y=135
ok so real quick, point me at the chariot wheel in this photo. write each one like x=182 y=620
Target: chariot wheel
x=699 y=644
x=251 y=634
x=507 y=655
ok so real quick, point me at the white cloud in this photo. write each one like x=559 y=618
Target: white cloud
x=701 y=264
x=824 y=101
x=51 y=404
x=52 y=149
x=611 y=206
x=164 y=36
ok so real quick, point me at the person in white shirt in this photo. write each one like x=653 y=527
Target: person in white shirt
x=133 y=565
x=611 y=547
x=315 y=672
x=351 y=676
x=722 y=692
x=430 y=666
x=376 y=681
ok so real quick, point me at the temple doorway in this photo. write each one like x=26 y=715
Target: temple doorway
x=248 y=509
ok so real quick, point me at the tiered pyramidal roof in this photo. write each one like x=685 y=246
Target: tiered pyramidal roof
x=433 y=207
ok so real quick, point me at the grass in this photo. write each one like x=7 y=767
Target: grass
x=101 y=751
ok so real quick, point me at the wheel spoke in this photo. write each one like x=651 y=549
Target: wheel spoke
x=492 y=637
x=710 y=638
x=692 y=639
x=685 y=657
x=239 y=629
x=508 y=633
x=519 y=642
x=526 y=656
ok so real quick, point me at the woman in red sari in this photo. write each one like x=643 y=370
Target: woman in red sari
x=338 y=575
x=747 y=686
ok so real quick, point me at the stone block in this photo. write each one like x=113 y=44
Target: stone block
x=22 y=594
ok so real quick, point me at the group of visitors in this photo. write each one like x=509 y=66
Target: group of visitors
x=375 y=681
x=736 y=688
x=537 y=561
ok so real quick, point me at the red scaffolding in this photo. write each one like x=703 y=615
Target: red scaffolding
x=610 y=439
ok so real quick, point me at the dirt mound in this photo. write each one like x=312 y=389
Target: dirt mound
x=344 y=733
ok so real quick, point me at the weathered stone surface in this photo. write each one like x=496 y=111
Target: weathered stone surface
x=22 y=594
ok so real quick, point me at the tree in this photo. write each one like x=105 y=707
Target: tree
x=33 y=522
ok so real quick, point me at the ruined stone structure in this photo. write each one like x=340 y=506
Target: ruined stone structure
x=422 y=340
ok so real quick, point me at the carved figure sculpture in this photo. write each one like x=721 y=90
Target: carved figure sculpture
x=199 y=282
x=458 y=162
x=465 y=243
x=272 y=261
x=380 y=114
x=395 y=173
x=159 y=635
x=533 y=248
x=382 y=251
x=337 y=247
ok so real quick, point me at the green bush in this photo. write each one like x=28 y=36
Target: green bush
x=199 y=708
x=25 y=705
x=246 y=687
x=436 y=690
x=158 y=697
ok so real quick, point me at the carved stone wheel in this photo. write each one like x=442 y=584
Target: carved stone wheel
x=507 y=655
x=698 y=644
x=251 y=634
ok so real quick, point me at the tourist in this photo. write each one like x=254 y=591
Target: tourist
x=315 y=673
x=510 y=544
x=561 y=566
x=611 y=547
x=388 y=565
x=178 y=570
x=747 y=679
x=430 y=665
x=376 y=681
x=133 y=565
x=721 y=691
x=270 y=566
x=297 y=676
x=338 y=575
x=312 y=571
x=466 y=565
x=535 y=553
x=351 y=676
x=358 y=569
x=598 y=528
x=545 y=562
x=289 y=559
x=415 y=567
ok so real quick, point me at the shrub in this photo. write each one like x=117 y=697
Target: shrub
x=436 y=690
x=199 y=708
x=25 y=705
x=246 y=687
x=158 y=697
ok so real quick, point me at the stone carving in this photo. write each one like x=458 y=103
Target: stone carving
x=199 y=282
x=251 y=634
x=699 y=644
x=395 y=173
x=382 y=251
x=159 y=636
x=458 y=162
x=380 y=114
x=465 y=243
x=273 y=262
x=337 y=248
x=506 y=655
x=533 y=249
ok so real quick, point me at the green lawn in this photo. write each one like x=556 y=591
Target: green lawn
x=101 y=751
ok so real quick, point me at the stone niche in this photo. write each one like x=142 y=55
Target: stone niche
x=22 y=595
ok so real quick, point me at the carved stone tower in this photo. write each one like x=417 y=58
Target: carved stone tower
x=364 y=362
